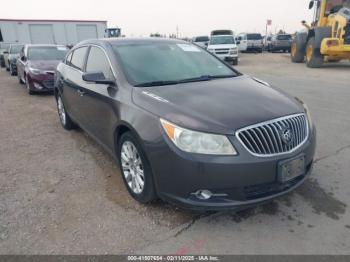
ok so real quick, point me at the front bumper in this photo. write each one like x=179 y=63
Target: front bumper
x=236 y=181
x=41 y=83
x=254 y=48
x=228 y=57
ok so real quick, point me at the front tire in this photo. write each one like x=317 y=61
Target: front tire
x=29 y=91
x=135 y=169
x=314 y=59
x=65 y=119
x=297 y=53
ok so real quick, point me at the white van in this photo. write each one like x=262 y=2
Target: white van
x=224 y=47
x=250 y=42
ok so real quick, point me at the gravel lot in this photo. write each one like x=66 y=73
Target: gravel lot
x=61 y=193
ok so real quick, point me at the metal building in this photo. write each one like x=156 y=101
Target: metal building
x=65 y=32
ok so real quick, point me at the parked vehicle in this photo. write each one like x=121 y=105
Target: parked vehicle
x=221 y=32
x=224 y=47
x=201 y=41
x=250 y=42
x=281 y=43
x=193 y=132
x=37 y=65
x=3 y=48
x=327 y=38
x=11 y=56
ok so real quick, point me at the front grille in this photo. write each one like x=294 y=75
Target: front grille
x=222 y=51
x=275 y=137
x=48 y=83
x=347 y=34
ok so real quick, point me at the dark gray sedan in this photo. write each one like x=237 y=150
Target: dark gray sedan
x=185 y=126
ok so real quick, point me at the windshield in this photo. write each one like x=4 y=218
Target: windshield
x=47 y=53
x=254 y=36
x=155 y=62
x=222 y=40
x=284 y=37
x=333 y=6
x=16 y=49
x=4 y=46
x=202 y=39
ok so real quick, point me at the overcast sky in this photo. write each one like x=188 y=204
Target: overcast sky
x=193 y=17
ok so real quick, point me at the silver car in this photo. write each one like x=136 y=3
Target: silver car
x=10 y=58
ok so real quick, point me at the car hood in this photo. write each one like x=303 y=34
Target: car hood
x=218 y=106
x=49 y=65
x=222 y=46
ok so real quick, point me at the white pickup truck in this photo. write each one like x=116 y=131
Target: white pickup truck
x=224 y=47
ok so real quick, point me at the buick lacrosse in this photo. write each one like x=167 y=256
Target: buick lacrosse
x=185 y=126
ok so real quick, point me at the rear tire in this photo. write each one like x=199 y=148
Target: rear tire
x=134 y=165
x=314 y=59
x=297 y=53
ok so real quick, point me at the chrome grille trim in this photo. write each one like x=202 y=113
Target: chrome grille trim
x=264 y=139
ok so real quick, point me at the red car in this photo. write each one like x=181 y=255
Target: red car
x=37 y=65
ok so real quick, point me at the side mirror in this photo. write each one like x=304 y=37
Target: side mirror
x=98 y=78
x=23 y=58
x=238 y=42
x=311 y=4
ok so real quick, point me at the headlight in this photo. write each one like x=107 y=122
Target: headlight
x=197 y=142
x=307 y=111
x=36 y=71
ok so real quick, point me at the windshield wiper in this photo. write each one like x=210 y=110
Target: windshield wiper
x=157 y=83
x=188 y=80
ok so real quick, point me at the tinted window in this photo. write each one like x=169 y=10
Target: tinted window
x=15 y=49
x=222 y=40
x=47 y=53
x=78 y=58
x=202 y=39
x=97 y=62
x=284 y=37
x=254 y=37
x=168 y=62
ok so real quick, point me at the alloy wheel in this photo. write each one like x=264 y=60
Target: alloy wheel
x=132 y=167
x=61 y=111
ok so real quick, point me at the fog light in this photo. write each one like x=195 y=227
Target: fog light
x=37 y=86
x=203 y=194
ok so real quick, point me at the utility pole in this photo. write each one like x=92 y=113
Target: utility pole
x=177 y=31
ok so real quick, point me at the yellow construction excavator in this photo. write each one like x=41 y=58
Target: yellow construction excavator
x=327 y=39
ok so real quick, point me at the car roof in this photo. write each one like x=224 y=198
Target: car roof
x=130 y=41
x=43 y=45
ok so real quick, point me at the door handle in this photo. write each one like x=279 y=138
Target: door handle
x=81 y=93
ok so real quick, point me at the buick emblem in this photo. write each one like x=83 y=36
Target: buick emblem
x=287 y=135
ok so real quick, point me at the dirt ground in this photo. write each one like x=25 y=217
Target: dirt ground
x=61 y=193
